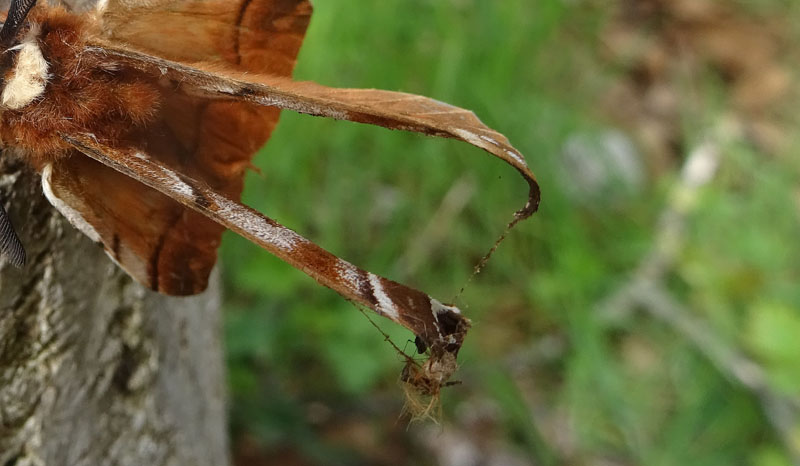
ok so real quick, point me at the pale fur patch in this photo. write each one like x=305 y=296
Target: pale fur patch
x=30 y=75
x=100 y=7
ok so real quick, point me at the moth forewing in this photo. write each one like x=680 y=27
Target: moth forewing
x=393 y=110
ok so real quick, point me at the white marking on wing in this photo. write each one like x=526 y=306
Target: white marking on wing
x=438 y=308
x=114 y=259
x=516 y=157
x=349 y=274
x=489 y=140
x=74 y=217
x=277 y=235
x=234 y=213
x=172 y=179
x=385 y=304
x=481 y=141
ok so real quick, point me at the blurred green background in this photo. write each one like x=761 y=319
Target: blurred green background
x=648 y=314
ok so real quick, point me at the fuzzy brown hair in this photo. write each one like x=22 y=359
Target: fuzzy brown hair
x=85 y=93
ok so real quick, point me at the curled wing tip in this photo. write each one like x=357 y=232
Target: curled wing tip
x=517 y=160
x=499 y=146
x=531 y=206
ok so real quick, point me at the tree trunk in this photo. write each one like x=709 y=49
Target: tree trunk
x=95 y=369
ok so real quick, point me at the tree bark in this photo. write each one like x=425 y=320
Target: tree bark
x=95 y=369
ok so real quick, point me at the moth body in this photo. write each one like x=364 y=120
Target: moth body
x=53 y=87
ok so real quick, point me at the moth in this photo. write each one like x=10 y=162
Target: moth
x=143 y=116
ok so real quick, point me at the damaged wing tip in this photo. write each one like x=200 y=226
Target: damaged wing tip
x=531 y=206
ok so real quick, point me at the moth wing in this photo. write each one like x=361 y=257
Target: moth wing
x=160 y=243
x=138 y=226
x=439 y=326
x=253 y=35
x=393 y=110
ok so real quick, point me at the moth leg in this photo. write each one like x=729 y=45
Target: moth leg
x=421 y=346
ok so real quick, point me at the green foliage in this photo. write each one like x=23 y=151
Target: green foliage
x=637 y=392
x=773 y=336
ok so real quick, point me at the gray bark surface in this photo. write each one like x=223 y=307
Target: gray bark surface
x=95 y=369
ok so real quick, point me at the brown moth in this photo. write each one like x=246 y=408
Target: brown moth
x=143 y=116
